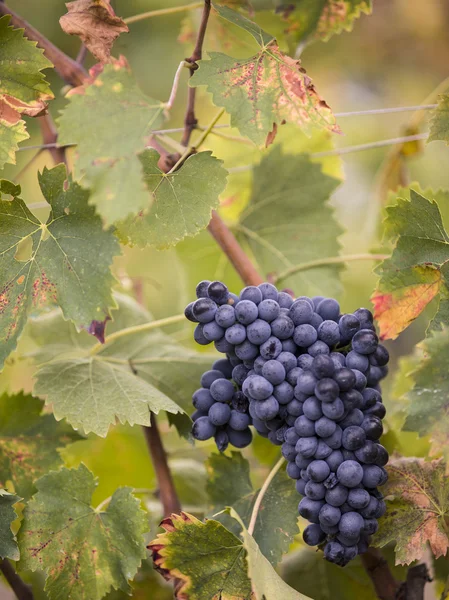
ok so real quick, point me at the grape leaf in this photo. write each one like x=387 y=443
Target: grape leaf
x=417 y=511
x=417 y=270
x=182 y=200
x=277 y=520
x=24 y=90
x=71 y=253
x=439 y=121
x=284 y=228
x=29 y=441
x=110 y=120
x=263 y=91
x=96 y=23
x=86 y=550
x=214 y=565
x=124 y=380
x=8 y=542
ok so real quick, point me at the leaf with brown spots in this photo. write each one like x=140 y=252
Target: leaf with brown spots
x=264 y=90
x=24 y=90
x=29 y=441
x=418 y=269
x=8 y=542
x=82 y=549
x=418 y=493
x=69 y=263
x=96 y=23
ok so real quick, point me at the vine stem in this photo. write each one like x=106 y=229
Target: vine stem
x=261 y=494
x=161 y=12
x=50 y=137
x=18 y=586
x=324 y=262
x=385 y=585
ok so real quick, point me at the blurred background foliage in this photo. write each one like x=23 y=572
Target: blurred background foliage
x=395 y=57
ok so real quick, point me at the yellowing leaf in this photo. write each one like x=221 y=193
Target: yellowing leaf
x=96 y=23
x=418 y=506
x=439 y=123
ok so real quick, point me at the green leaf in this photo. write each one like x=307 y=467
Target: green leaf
x=439 y=121
x=207 y=560
x=228 y=479
x=29 y=441
x=69 y=263
x=417 y=510
x=417 y=271
x=12 y=132
x=124 y=380
x=8 y=542
x=263 y=91
x=182 y=201
x=284 y=228
x=89 y=551
x=110 y=120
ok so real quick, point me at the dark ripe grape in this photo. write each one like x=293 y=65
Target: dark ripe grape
x=204 y=310
x=258 y=332
x=345 y=508
x=225 y=316
x=199 y=337
x=358 y=498
x=259 y=388
x=197 y=414
x=324 y=427
x=239 y=439
x=239 y=374
x=221 y=440
x=287 y=360
x=305 y=361
x=316 y=320
x=268 y=310
x=380 y=357
x=246 y=312
x=310 y=509
x=218 y=292
x=354 y=360
x=380 y=510
x=269 y=291
x=301 y=312
x=222 y=390
x=301 y=487
x=188 y=313
x=360 y=380
x=201 y=289
x=246 y=350
x=350 y=473
x=316 y=300
x=329 y=333
x=280 y=434
x=224 y=346
x=258 y=363
x=334 y=552
x=334 y=460
x=267 y=409
x=291 y=436
x=240 y=402
x=348 y=540
x=364 y=315
x=233 y=299
x=306 y=383
x=373 y=427
x=323 y=366
x=374 y=375
x=382 y=456
x=292 y=376
x=322 y=451
x=363 y=545
x=305 y=299
x=365 y=341
x=352 y=399
x=354 y=417
x=239 y=421
x=370 y=511
x=334 y=410
x=251 y=293
x=349 y=325
x=236 y=361
x=304 y=475
x=345 y=379
x=209 y=377
x=304 y=427
x=313 y=535
x=305 y=335
x=348 y=454
x=329 y=529
x=337 y=495
x=312 y=408
x=317 y=348
x=353 y=437
x=203 y=429
x=219 y=414
x=370 y=527
x=284 y=393
x=318 y=470
x=373 y=476
x=338 y=359
x=294 y=408
x=334 y=440
x=302 y=462
x=367 y=453
x=202 y=399
x=329 y=309
x=284 y=300
x=260 y=427
x=213 y=332
x=307 y=446
x=351 y=524
x=289 y=346
x=293 y=471
x=274 y=372
x=314 y=490
x=378 y=410
x=329 y=515
x=236 y=334
x=290 y=419
x=300 y=395
x=326 y=390
x=288 y=451
x=370 y=397
x=271 y=348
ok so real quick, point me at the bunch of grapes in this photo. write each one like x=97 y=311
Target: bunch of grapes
x=307 y=378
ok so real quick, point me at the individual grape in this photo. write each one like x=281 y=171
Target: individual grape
x=292 y=376
x=350 y=473
x=318 y=348
x=224 y=346
x=251 y=293
x=312 y=408
x=287 y=360
x=310 y=509
x=345 y=379
x=222 y=390
x=373 y=476
x=301 y=487
x=240 y=402
x=304 y=427
x=334 y=552
x=294 y=408
x=282 y=327
x=258 y=332
x=280 y=433
x=272 y=436
x=201 y=289
x=350 y=553
x=348 y=325
x=274 y=372
x=313 y=535
x=324 y=427
x=315 y=491
x=284 y=393
x=239 y=374
x=307 y=446
x=307 y=383
x=208 y=377
x=367 y=453
x=303 y=462
x=221 y=440
x=329 y=333
x=203 y=429
x=334 y=440
x=316 y=300
x=288 y=451
x=370 y=397
x=334 y=410
x=351 y=524
x=269 y=291
x=378 y=410
x=239 y=439
x=360 y=380
x=380 y=357
x=326 y=390
x=370 y=511
x=318 y=470
x=334 y=460
x=218 y=292
x=354 y=417
x=353 y=438
x=291 y=436
x=354 y=360
x=268 y=310
x=370 y=527
x=382 y=456
x=285 y=300
x=204 y=310
x=373 y=427
x=329 y=309
x=338 y=359
x=316 y=320
x=239 y=421
x=219 y=413
x=351 y=399
x=305 y=335
x=199 y=336
x=246 y=350
x=197 y=414
x=331 y=530
x=259 y=388
x=322 y=451
x=271 y=348
x=260 y=426
x=365 y=341
x=329 y=515
x=358 y=498
x=234 y=360
x=213 y=332
x=337 y=495
x=267 y=409
x=345 y=508
x=246 y=312
x=225 y=316
x=202 y=399
x=323 y=366
x=305 y=361
x=348 y=541
x=380 y=510
x=293 y=471
x=289 y=346
x=236 y=334
x=233 y=299
x=188 y=313
x=301 y=312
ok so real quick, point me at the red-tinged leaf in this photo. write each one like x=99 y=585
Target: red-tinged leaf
x=98 y=328
x=418 y=494
x=96 y=23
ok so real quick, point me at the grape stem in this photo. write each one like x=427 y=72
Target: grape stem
x=18 y=586
x=261 y=494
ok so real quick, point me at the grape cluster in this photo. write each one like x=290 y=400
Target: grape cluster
x=307 y=378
